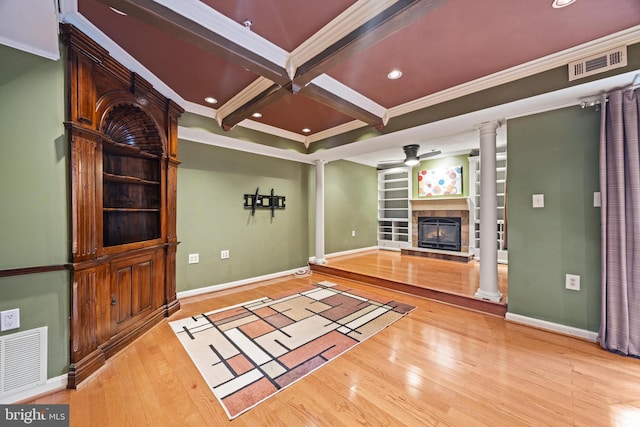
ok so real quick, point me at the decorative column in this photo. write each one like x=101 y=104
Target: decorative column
x=319 y=256
x=488 y=214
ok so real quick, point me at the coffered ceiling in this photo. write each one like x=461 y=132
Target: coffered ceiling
x=322 y=66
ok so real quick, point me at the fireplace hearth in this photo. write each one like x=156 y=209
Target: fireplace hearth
x=440 y=233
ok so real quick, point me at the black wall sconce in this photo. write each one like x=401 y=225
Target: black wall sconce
x=263 y=201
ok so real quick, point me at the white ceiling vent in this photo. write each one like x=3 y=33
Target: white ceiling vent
x=599 y=63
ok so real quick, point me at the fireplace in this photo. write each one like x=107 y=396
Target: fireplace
x=440 y=233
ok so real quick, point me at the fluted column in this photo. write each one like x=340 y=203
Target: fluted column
x=319 y=255
x=488 y=214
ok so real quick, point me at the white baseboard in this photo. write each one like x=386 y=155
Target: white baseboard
x=52 y=385
x=222 y=286
x=553 y=327
x=349 y=252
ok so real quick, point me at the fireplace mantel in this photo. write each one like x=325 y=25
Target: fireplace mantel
x=441 y=204
x=442 y=207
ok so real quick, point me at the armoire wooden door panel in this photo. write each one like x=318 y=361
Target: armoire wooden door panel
x=132 y=287
x=121 y=294
x=142 y=291
x=88 y=293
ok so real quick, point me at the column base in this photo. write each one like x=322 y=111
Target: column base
x=319 y=261
x=488 y=295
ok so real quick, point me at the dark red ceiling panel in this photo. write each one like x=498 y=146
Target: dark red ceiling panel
x=285 y=23
x=464 y=40
x=295 y=112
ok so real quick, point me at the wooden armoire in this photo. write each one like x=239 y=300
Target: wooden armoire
x=123 y=162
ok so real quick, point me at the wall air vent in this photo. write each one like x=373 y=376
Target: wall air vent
x=23 y=360
x=599 y=63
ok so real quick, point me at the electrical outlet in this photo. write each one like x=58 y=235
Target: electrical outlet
x=572 y=281
x=194 y=258
x=9 y=319
x=353 y=233
x=224 y=254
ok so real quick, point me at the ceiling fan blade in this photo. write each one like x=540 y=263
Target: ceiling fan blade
x=429 y=154
x=394 y=161
x=386 y=165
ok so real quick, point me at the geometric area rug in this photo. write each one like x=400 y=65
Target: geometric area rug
x=249 y=352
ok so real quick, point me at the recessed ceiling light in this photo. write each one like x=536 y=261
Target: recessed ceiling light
x=119 y=12
x=395 y=74
x=256 y=115
x=210 y=100
x=306 y=130
x=557 y=4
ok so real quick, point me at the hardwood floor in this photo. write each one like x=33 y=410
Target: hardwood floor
x=438 y=366
x=441 y=280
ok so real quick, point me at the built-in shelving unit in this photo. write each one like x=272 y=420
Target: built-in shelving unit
x=123 y=169
x=131 y=197
x=501 y=183
x=394 y=210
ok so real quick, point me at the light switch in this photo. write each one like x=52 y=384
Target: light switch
x=538 y=200
x=596 y=200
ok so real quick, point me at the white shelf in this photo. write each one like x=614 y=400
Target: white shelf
x=394 y=193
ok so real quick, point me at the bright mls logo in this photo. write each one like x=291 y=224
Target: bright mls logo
x=34 y=415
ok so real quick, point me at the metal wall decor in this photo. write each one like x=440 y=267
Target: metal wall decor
x=263 y=201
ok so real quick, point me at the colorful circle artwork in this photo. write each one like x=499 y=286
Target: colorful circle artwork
x=440 y=182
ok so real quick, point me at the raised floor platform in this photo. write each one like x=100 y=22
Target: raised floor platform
x=438 y=254
x=449 y=282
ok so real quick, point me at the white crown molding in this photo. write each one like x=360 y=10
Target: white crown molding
x=337 y=130
x=204 y=137
x=201 y=110
x=355 y=16
x=202 y=14
x=254 y=89
x=272 y=130
x=345 y=92
x=626 y=37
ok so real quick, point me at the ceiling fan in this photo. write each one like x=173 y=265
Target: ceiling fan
x=411 y=157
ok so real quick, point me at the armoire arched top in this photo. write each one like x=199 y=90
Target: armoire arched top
x=128 y=124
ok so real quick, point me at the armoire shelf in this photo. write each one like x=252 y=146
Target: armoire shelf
x=131 y=196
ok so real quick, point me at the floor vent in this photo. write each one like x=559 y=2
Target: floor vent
x=599 y=63
x=23 y=360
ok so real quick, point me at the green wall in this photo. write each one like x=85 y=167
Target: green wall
x=212 y=182
x=438 y=164
x=350 y=204
x=34 y=214
x=555 y=154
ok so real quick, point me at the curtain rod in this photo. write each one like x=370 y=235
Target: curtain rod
x=635 y=83
x=596 y=101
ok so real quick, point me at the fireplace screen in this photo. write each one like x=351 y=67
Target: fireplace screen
x=439 y=233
